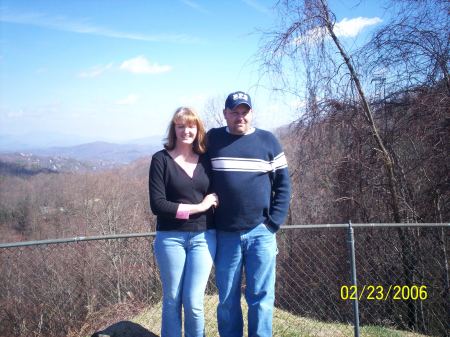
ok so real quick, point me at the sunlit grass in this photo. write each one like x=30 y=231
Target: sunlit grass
x=285 y=324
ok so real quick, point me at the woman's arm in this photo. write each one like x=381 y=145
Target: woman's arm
x=158 y=200
x=184 y=210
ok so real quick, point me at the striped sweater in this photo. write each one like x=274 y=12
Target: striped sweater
x=250 y=176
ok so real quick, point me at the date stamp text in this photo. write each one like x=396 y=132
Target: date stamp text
x=384 y=293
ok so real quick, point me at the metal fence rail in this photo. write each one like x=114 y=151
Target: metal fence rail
x=73 y=287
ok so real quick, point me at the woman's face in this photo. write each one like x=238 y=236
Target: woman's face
x=185 y=133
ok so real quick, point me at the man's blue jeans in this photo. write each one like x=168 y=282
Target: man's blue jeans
x=184 y=260
x=254 y=252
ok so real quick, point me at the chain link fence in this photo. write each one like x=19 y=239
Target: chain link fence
x=78 y=286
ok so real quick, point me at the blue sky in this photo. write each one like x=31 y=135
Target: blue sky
x=117 y=69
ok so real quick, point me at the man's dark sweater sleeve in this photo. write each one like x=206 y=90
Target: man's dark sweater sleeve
x=158 y=200
x=281 y=195
x=281 y=191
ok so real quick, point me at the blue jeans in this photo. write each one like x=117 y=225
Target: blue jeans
x=184 y=260
x=254 y=252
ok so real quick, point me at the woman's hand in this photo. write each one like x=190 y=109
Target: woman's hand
x=184 y=210
x=210 y=200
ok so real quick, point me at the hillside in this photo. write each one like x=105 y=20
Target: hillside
x=80 y=158
x=28 y=164
x=102 y=153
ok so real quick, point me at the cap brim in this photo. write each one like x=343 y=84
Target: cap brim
x=239 y=103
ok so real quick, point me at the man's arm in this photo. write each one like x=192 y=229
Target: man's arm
x=281 y=190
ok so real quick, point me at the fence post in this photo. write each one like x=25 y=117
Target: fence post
x=351 y=246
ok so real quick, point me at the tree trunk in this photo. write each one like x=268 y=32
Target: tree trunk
x=387 y=158
x=404 y=235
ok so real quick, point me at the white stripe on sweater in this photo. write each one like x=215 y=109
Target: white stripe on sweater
x=248 y=164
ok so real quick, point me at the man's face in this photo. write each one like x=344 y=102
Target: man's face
x=239 y=119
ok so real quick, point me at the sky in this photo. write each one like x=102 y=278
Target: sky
x=116 y=70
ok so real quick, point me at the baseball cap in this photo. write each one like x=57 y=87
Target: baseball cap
x=236 y=98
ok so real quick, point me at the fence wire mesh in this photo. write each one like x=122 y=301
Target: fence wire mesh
x=76 y=288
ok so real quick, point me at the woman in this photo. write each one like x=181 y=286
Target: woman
x=185 y=242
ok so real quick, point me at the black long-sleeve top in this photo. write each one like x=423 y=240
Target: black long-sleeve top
x=170 y=185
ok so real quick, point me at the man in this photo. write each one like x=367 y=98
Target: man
x=251 y=179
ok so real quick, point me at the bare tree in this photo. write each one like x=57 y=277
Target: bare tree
x=310 y=25
x=306 y=51
x=213 y=112
x=413 y=48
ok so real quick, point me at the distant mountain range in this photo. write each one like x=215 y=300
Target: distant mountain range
x=101 y=152
x=33 y=154
x=38 y=140
x=83 y=157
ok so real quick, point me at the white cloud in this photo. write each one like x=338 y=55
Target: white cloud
x=84 y=27
x=137 y=65
x=129 y=100
x=352 y=27
x=344 y=28
x=140 y=65
x=95 y=71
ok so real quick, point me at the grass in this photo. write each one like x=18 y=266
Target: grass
x=285 y=324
